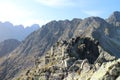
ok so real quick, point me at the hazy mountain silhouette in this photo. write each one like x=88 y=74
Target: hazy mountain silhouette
x=9 y=31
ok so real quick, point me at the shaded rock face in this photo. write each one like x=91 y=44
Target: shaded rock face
x=84 y=48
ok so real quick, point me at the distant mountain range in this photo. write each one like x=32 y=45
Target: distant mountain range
x=105 y=31
x=9 y=31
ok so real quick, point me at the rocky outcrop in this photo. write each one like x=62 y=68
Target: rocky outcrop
x=77 y=59
x=84 y=48
x=108 y=71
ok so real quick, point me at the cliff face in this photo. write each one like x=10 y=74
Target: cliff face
x=97 y=43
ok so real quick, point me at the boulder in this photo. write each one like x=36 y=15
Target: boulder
x=108 y=71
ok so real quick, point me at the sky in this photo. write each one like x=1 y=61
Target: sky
x=28 y=12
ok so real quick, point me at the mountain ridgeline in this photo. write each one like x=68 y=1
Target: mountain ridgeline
x=10 y=31
x=105 y=32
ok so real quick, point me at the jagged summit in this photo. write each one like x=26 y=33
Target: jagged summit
x=76 y=19
x=66 y=21
x=94 y=19
x=114 y=18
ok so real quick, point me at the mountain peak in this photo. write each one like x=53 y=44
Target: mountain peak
x=116 y=15
x=114 y=18
x=94 y=18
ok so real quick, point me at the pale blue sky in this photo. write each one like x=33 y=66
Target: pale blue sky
x=28 y=12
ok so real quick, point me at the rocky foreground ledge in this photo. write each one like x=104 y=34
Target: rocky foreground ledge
x=76 y=59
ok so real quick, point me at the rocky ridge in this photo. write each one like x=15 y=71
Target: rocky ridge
x=64 y=62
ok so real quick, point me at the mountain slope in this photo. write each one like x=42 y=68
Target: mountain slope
x=40 y=41
x=9 y=31
x=106 y=34
x=37 y=43
x=8 y=46
x=77 y=59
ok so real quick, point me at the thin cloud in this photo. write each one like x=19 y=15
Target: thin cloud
x=13 y=13
x=10 y=10
x=93 y=12
x=35 y=21
x=56 y=3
